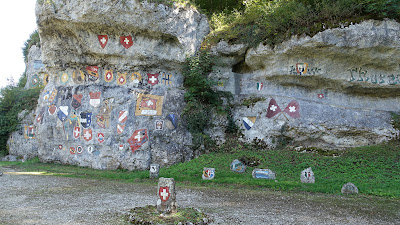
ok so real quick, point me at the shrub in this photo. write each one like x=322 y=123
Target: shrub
x=13 y=100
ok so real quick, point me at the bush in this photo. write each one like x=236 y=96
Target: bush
x=13 y=100
x=274 y=21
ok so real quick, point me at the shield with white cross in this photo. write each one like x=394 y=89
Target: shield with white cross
x=126 y=41
x=138 y=138
x=108 y=76
x=273 y=109
x=293 y=109
x=77 y=132
x=164 y=194
x=152 y=79
x=87 y=134
x=103 y=39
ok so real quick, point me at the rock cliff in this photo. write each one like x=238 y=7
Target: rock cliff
x=334 y=90
x=113 y=95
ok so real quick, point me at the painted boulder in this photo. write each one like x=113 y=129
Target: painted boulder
x=208 y=173
x=238 y=166
x=307 y=176
x=263 y=174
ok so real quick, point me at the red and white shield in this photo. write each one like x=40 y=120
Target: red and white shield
x=123 y=116
x=164 y=194
x=152 y=79
x=120 y=128
x=87 y=134
x=108 y=76
x=77 y=132
x=103 y=39
x=52 y=109
x=293 y=109
x=121 y=147
x=121 y=79
x=100 y=137
x=126 y=41
x=95 y=99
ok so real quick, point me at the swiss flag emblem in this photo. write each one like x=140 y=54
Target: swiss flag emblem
x=164 y=194
x=87 y=134
x=293 y=109
x=103 y=39
x=152 y=78
x=273 y=109
x=126 y=41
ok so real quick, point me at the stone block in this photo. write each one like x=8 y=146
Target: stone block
x=349 y=188
x=208 y=173
x=154 y=170
x=238 y=166
x=166 y=196
x=263 y=174
x=307 y=176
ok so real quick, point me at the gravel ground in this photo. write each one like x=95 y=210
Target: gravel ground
x=28 y=198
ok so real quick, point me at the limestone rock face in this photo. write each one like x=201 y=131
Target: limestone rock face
x=334 y=90
x=114 y=95
x=159 y=34
x=23 y=142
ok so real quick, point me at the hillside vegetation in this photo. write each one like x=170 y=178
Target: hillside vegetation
x=273 y=21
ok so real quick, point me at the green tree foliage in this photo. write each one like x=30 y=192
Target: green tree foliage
x=34 y=39
x=13 y=100
x=200 y=97
x=274 y=21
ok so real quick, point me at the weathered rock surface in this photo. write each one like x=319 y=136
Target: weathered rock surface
x=23 y=142
x=114 y=95
x=334 y=90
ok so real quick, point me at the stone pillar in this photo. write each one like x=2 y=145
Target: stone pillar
x=154 y=170
x=166 y=202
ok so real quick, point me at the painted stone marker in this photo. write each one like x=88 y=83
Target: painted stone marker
x=263 y=174
x=307 y=176
x=166 y=196
x=349 y=188
x=208 y=173
x=154 y=170
x=238 y=166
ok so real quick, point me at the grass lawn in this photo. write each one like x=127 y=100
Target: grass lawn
x=375 y=170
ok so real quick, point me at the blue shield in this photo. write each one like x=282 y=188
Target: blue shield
x=86 y=119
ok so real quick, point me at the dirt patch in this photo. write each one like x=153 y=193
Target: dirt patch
x=32 y=198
